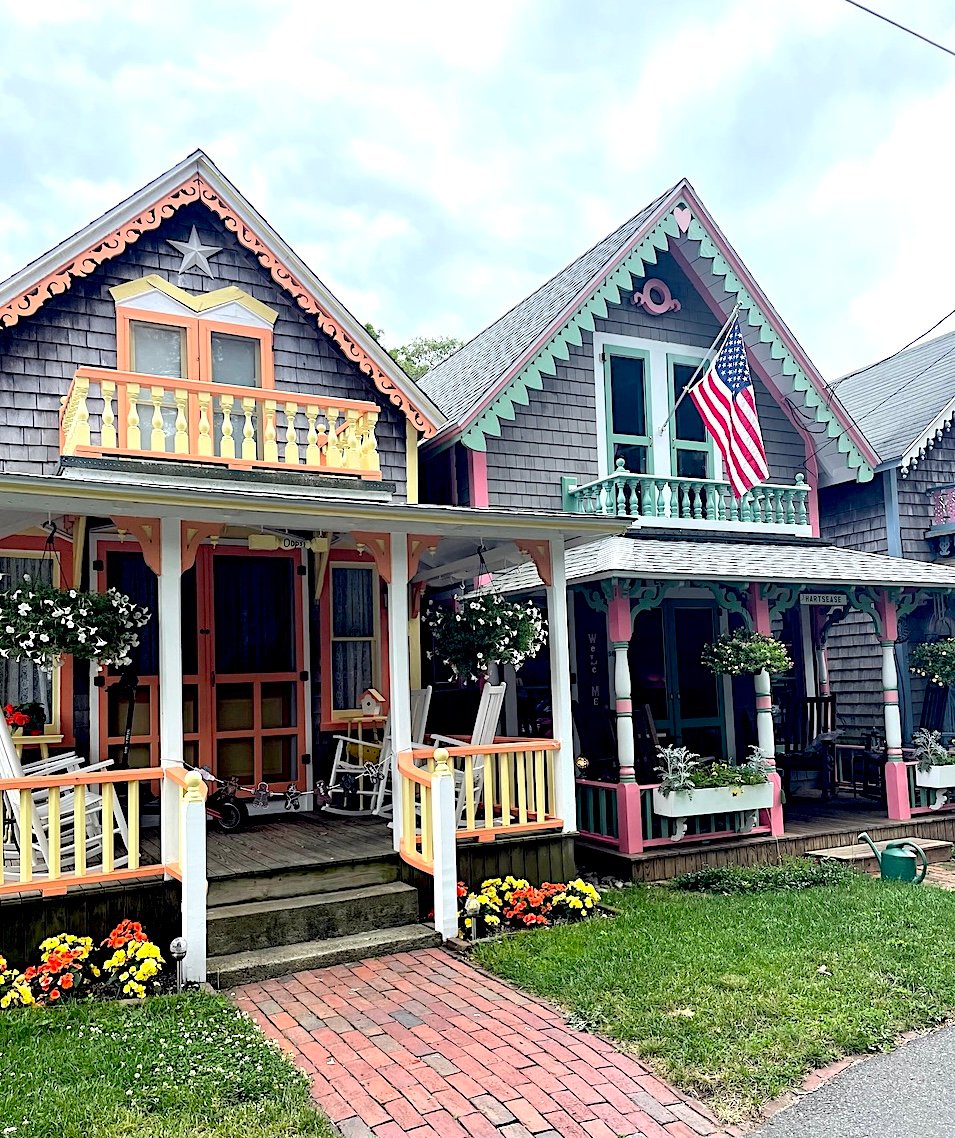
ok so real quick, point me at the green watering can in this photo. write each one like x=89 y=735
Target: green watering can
x=897 y=862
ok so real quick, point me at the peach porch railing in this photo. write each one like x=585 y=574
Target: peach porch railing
x=485 y=791
x=125 y=413
x=67 y=831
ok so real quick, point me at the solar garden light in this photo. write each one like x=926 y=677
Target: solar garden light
x=472 y=906
x=177 y=950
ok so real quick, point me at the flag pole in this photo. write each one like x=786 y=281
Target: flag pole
x=696 y=375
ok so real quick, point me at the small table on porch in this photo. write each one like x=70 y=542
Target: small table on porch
x=43 y=742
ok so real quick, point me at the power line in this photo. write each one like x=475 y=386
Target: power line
x=928 y=367
x=905 y=347
x=901 y=27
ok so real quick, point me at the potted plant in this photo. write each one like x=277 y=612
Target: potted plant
x=690 y=786
x=935 y=661
x=934 y=764
x=745 y=653
x=483 y=630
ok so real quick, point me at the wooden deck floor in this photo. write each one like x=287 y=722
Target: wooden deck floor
x=304 y=841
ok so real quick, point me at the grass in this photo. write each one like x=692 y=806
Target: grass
x=174 y=1067
x=735 y=998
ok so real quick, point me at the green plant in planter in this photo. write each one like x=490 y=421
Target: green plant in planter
x=485 y=629
x=682 y=771
x=745 y=653
x=928 y=751
x=935 y=661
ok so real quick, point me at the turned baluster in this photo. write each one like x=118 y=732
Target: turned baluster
x=157 y=436
x=249 y=449
x=802 y=500
x=351 y=445
x=313 y=456
x=227 y=442
x=181 y=441
x=108 y=428
x=133 y=434
x=333 y=451
x=369 y=442
x=270 y=446
x=204 y=443
x=290 y=455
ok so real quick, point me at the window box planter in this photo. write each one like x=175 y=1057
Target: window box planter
x=748 y=800
x=939 y=778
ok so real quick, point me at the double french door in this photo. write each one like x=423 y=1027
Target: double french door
x=685 y=699
x=243 y=691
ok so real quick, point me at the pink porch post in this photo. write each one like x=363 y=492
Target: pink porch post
x=896 y=772
x=765 y=730
x=628 y=793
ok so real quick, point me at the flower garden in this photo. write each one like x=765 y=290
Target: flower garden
x=512 y=903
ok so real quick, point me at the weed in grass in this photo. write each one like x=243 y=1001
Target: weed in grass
x=174 y=1066
x=736 y=997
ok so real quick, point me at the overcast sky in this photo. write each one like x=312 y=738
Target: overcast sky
x=434 y=163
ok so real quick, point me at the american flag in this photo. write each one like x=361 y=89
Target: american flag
x=726 y=402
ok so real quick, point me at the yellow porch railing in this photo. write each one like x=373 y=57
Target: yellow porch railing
x=63 y=831
x=118 y=413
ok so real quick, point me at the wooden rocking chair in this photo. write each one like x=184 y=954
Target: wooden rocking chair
x=485 y=729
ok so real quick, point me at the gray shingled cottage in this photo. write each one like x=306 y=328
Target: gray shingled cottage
x=566 y=402
x=191 y=417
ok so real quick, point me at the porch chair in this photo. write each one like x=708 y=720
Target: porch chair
x=484 y=732
x=35 y=828
x=371 y=789
x=805 y=741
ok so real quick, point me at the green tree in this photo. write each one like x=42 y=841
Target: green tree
x=419 y=355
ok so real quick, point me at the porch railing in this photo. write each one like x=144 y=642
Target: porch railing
x=621 y=815
x=67 y=831
x=689 y=501
x=143 y=416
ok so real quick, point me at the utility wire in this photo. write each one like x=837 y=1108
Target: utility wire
x=928 y=367
x=901 y=27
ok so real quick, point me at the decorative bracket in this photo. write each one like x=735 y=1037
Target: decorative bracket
x=379 y=546
x=781 y=598
x=193 y=535
x=146 y=532
x=417 y=544
x=733 y=598
x=647 y=597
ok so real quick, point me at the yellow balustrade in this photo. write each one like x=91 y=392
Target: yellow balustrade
x=124 y=413
x=73 y=829
x=417 y=816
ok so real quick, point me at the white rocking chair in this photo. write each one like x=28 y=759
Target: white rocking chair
x=34 y=831
x=485 y=729
x=364 y=766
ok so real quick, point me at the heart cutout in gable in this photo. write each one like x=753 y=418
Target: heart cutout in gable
x=683 y=218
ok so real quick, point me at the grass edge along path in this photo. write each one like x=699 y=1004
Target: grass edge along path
x=189 y=1066
x=736 y=998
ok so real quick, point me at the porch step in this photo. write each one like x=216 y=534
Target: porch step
x=236 y=968
x=859 y=856
x=259 y=885
x=281 y=921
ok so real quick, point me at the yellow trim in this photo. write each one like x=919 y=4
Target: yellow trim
x=414 y=650
x=411 y=461
x=201 y=303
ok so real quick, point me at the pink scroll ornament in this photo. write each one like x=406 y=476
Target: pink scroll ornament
x=656 y=298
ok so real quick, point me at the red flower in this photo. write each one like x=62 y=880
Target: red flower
x=66 y=980
x=54 y=995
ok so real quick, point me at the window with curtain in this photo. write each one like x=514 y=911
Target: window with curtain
x=354 y=634
x=20 y=680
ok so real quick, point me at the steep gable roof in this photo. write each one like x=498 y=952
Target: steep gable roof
x=480 y=384
x=903 y=405
x=197 y=179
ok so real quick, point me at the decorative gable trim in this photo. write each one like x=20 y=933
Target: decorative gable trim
x=678 y=219
x=939 y=427
x=204 y=302
x=196 y=188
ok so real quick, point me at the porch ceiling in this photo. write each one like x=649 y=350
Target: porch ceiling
x=28 y=500
x=806 y=563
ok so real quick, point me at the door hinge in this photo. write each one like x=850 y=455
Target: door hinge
x=99 y=565
x=306 y=759
x=302 y=570
x=603 y=357
x=303 y=675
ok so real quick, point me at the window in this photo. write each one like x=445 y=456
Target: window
x=628 y=418
x=236 y=360
x=353 y=619
x=157 y=349
x=691 y=449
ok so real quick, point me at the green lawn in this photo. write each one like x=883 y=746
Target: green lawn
x=174 y=1067
x=735 y=998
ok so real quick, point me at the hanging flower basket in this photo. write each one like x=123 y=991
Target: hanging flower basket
x=745 y=653
x=935 y=661
x=42 y=624
x=485 y=629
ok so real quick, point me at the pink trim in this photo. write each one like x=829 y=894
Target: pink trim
x=775 y=812
x=477 y=476
x=889 y=696
x=764 y=703
x=889 y=615
x=629 y=820
x=759 y=608
x=623 y=706
x=897 y=791
x=618 y=618
x=682 y=216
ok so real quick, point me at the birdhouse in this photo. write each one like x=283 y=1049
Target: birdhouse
x=372 y=702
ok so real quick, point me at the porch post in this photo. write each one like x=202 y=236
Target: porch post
x=170 y=679
x=618 y=619
x=896 y=773
x=399 y=665
x=765 y=731
x=559 y=644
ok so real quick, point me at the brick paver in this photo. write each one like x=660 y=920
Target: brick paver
x=420 y=1043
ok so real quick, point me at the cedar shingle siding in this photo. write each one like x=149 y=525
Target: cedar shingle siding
x=556 y=433
x=39 y=355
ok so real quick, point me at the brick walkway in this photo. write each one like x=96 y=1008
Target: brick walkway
x=423 y=1044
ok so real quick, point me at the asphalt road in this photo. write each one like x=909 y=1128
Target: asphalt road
x=909 y=1093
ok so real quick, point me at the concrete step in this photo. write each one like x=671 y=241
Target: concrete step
x=257 y=885
x=280 y=921
x=232 y=969
x=860 y=856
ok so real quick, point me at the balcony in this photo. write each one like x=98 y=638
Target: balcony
x=127 y=415
x=941 y=531
x=691 y=503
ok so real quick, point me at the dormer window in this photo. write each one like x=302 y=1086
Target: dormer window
x=157 y=349
x=236 y=360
